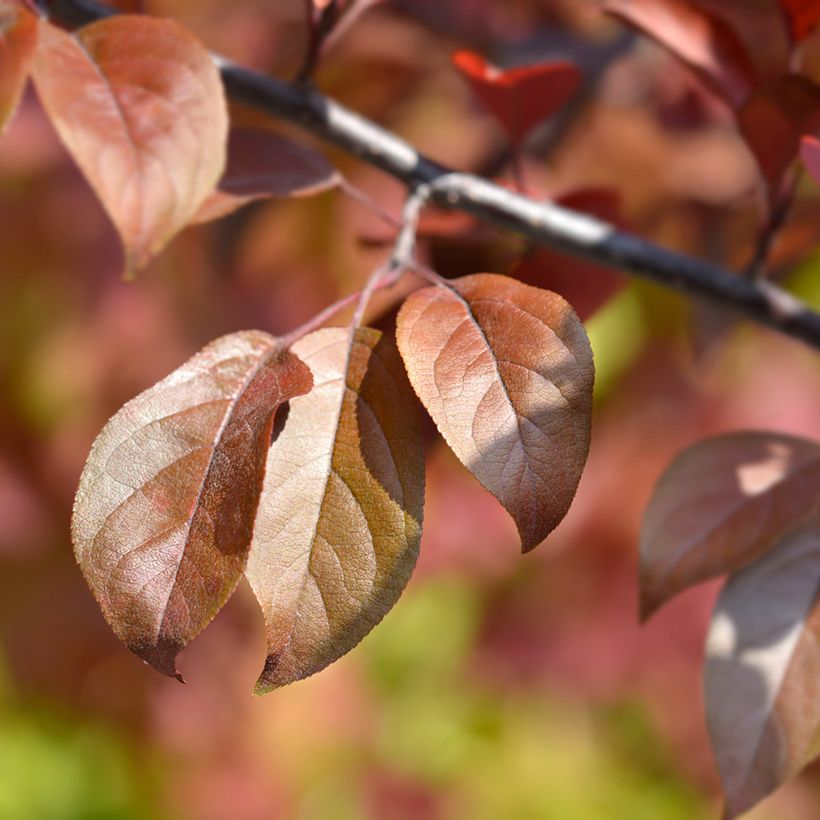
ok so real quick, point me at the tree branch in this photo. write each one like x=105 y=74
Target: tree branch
x=542 y=222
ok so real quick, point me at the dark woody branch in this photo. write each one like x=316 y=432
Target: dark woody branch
x=542 y=222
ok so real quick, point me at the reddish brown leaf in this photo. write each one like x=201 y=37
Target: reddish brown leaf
x=339 y=522
x=585 y=285
x=262 y=164
x=139 y=104
x=773 y=121
x=810 y=154
x=762 y=671
x=18 y=39
x=519 y=98
x=505 y=370
x=702 y=40
x=165 y=509
x=803 y=17
x=720 y=505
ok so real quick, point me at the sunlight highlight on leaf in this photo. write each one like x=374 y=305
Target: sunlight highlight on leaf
x=339 y=520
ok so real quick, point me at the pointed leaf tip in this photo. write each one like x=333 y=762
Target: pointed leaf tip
x=506 y=372
x=165 y=509
x=18 y=40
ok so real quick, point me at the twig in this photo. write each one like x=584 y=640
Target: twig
x=544 y=223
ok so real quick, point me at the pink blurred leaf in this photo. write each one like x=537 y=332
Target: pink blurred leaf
x=519 y=98
x=810 y=154
x=721 y=504
x=262 y=164
x=139 y=104
x=762 y=669
x=702 y=40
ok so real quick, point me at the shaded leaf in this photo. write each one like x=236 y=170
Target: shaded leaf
x=762 y=669
x=139 y=104
x=505 y=370
x=721 y=504
x=803 y=17
x=773 y=121
x=165 y=508
x=702 y=40
x=18 y=39
x=339 y=522
x=519 y=98
x=262 y=164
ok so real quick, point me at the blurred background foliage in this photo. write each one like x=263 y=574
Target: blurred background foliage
x=499 y=687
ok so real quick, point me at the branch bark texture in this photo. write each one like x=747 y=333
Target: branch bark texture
x=542 y=222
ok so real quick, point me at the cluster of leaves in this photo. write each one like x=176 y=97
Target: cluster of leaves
x=189 y=486
x=297 y=462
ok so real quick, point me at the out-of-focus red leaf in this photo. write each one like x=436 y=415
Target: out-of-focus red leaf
x=703 y=40
x=773 y=121
x=262 y=164
x=810 y=154
x=139 y=104
x=519 y=98
x=505 y=370
x=164 y=512
x=762 y=668
x=721 y=504
x=18 y=39
x=803 y=17
x=585 y=285
x=339 y=522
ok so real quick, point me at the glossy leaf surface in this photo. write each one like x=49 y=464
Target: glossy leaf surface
x=18 y=39
x=339 y=522
x=165 y=508
x=721 y=504
x=762 y=671
x=139 y=104
x=505 y=370
x=519 y=98
x=262 y=164
x=703 y=40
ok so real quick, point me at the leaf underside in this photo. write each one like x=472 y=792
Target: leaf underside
x=18 y=39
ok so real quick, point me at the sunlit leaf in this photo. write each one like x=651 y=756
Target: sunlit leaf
x=703 y=40
x=519 y=98
x=18 y=38
x=262 y=164
x=762 y=671
x=339 y=521
x=720 y=505
x=139 y=104
x=505 y=370
x=165 y=509
x=803 y=17
x=773 y=121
